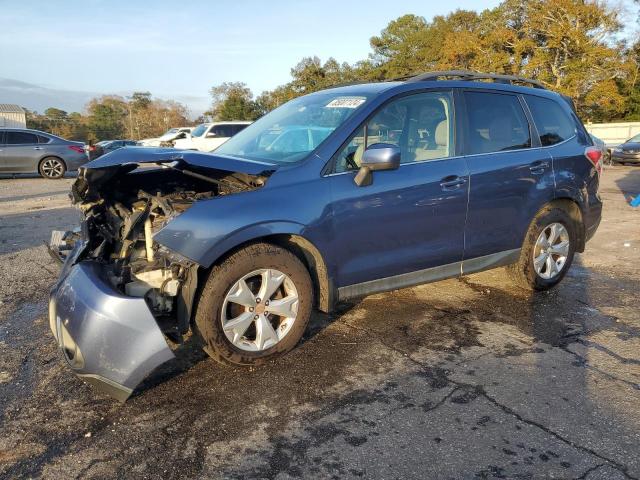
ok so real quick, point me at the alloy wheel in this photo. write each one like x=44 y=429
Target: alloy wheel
x=259 y=310
x=52 y=168
x=551 y=251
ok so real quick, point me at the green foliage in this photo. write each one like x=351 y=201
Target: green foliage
x=107 y=116
x=112 y=117
x=234 y=101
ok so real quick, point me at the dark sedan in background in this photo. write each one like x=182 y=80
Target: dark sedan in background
x=107 y=146
x=628 y=152
x=29 y=151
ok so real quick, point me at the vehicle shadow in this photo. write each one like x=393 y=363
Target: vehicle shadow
x=526 y=342
x=191 y=351
x=629 y=184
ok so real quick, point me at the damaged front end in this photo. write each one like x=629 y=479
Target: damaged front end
x=120 y=292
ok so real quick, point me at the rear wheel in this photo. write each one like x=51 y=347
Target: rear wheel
x=547 y=251
x=52 y=167
x=255 y=305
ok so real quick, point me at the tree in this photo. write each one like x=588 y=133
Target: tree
x=569 y=45
x=107 y=116
x=233 y=101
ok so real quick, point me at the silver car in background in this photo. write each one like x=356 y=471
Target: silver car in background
x=30 y=151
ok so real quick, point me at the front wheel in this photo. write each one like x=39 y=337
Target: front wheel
x=255 y=305
x=52 y=167
x=547 y=251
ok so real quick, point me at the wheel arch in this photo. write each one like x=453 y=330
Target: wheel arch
x=573 y=209
x=307 y=253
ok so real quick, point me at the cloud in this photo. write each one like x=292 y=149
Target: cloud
x=39 y=98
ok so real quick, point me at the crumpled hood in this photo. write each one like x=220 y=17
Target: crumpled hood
x=143 y=155
x=99 y=173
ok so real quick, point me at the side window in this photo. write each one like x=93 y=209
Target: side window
x=239 y=128
x=43 y=139
x=495 y=123
x=553 y=123
x=219 y=131
x=21 y=138
x=421 y=125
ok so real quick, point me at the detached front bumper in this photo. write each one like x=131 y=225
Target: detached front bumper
x=110 y=340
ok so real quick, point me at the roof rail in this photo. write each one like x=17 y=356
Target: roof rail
x=469 y=75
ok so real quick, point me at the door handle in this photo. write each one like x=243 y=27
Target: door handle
x=538 y=168
x=452 y=182
x=37 y=148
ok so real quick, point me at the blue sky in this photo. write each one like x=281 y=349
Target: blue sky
x=180 y=49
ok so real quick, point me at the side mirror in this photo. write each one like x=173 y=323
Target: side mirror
x=212 y=135
x=379 y=156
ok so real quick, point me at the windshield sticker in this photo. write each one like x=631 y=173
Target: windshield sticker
x=346 y=102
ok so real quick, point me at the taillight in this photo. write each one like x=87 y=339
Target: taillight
x=76 y=148
x=594 y=155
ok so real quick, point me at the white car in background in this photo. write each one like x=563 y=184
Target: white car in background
x=169 y=136
x=209 y=136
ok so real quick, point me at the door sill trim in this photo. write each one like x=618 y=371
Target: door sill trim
x=429 y=275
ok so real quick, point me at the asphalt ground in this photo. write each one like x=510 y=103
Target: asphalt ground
x=466 y=378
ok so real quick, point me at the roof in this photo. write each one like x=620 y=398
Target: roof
x=447 y=78
x=360 y=88
x=11 y=108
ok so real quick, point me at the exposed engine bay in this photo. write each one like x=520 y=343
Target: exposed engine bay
x=123 y=207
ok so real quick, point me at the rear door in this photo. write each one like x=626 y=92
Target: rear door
x=21 y=151
x=511 y=176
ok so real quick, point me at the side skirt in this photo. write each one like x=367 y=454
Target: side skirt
x=429 y=275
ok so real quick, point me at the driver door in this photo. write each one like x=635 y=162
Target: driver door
x=407 y=227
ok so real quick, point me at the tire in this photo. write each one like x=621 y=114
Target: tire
x=524 y=271
x=52 y=168
x=215 y=306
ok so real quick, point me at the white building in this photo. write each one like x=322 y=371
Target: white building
x=12 y=116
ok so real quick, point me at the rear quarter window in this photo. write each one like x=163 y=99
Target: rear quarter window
x=552 y=121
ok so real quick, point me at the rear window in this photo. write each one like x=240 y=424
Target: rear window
x=496 y=123
x=552 y=121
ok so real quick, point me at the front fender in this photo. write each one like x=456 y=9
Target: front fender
x=251 y=232
x=210 y=228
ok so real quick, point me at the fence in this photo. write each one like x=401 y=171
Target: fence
x=614 y=133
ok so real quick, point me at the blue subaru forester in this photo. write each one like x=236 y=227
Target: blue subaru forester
x=338 y=194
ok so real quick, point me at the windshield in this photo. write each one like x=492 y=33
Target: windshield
x=635 y=138
x=171 y=130
x=199 y=130
x=291 y=131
